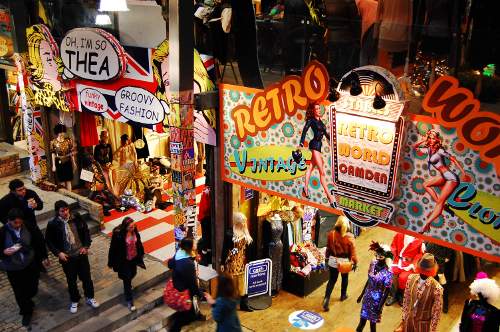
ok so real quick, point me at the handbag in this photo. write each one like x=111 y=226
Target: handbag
x=344 y=265
x=177 y=300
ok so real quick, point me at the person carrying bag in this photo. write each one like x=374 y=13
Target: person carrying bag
x=341 y=258
x=181 y=291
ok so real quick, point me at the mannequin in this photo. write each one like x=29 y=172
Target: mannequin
x=234 y=255
x=377 y=287
x=103 y=154
x=422 y=303
x=63 y=156
x=125 y=158
x=479 y=313
x=273 y=230
x=407 y=251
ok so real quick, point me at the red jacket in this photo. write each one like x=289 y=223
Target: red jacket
x=410 y=255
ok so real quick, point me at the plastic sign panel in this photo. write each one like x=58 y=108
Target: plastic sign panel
x=289 y=141
x=306 y=320
x=92 y=54
x=258 y=277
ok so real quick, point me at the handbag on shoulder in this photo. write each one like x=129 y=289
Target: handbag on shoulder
x=179 y=301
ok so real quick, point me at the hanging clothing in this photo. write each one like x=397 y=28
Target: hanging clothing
x=88 y=130
x=273 y=231
x=395 y=19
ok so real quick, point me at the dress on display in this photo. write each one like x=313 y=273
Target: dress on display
x=276 y=254
x=379 y=280
x=63 y=151
x=235 y=261
x=395 y=18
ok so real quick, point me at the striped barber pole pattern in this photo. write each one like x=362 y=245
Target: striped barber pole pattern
x=156 y=227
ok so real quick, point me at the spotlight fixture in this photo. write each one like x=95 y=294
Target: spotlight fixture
x=113 y=6
x=355 y=85
x=378 y=101
x=102 y=19
x=334 y=95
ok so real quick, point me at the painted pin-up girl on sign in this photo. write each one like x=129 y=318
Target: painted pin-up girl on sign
x=44 y=65
x=446 y=179
x=314 y=122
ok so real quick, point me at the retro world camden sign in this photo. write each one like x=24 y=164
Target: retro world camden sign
x=289 y=141
x=258 y=277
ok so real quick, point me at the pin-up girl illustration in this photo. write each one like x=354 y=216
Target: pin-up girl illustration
x=314 y=122
x=44 y=65
x=446 y=179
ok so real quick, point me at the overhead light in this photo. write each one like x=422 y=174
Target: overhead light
x=102 y=19
x=355 y=85
x=113 y=6
x=378 y=101
x=334 y=94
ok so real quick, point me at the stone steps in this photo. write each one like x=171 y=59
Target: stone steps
x=148 y=285
x=149 y=304
x=153 y=321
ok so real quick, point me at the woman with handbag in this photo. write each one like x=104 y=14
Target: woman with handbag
x=341 y=258
x=126 y=253
x=183 y=287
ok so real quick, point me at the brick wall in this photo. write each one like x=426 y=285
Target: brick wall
x=9 y=165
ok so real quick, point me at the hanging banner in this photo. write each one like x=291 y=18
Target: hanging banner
x=92 y=54
x=44 y=61
x=291 y=142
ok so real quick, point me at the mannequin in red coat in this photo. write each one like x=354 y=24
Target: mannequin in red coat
x=407 y=251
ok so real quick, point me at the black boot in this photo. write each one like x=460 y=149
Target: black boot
x=326 y=304
x=244 y=304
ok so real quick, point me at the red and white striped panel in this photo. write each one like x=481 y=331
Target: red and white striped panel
x=156 y=227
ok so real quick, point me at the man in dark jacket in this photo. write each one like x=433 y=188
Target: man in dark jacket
x=69 y=239
x=18 y=248
x=28 y=202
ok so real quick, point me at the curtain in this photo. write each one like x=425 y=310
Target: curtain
x=115 y=129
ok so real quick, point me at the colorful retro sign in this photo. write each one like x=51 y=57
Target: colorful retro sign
x=6 y=33
x=287 y=140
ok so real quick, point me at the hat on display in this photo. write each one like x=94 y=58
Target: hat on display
x=485 y=287
x=383 y=250
x=427 y=265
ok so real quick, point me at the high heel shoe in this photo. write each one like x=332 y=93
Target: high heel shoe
x=306 y=195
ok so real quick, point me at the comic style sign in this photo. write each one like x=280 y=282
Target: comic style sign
x=92 y=54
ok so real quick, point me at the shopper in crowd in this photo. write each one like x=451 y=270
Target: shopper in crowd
x=479 y=314
x=126 y=252
x=377 y=287
x=28 y=202
x=68 y=238
x=341 y=258
x=225 y=306
x=18 y=252
x=184 y=277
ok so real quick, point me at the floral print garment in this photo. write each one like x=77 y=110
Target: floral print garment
x=378 y=282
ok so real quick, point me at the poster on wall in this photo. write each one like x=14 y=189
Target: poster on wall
x=286 y=140
x=449 y=175
x=6 y=33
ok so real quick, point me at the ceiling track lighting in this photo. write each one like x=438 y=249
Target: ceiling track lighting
x=355 y=89
x=378 y=101
x=334 y=95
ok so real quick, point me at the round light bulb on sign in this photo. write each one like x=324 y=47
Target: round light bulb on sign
x=102 y=19
x=113 y=6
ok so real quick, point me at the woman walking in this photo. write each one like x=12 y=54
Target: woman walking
x=126 y=252
x=184 y=278
x=341 y=258
x=224 y=307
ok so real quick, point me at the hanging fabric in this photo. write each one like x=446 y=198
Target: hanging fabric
x=88 y=130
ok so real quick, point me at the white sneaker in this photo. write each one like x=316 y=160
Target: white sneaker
x=74 y=307
x=93 y=303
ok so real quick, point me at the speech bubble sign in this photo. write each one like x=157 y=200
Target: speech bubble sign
x=92 y=54
x=139 y=105
x=93 y=100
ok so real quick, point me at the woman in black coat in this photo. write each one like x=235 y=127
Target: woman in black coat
x=126 y=252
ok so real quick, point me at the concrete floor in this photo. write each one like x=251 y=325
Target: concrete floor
x=344 y=316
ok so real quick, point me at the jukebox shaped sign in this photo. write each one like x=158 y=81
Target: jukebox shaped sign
x=366 y=128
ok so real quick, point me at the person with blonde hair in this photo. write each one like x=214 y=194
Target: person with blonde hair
x=341 y=258
x=234 y=258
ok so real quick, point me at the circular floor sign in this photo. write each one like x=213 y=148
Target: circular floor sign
x=306 y=320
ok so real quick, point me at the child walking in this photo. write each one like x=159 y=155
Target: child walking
x=224 y=307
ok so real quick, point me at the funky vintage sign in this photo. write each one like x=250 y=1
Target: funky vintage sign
x=289 y=141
